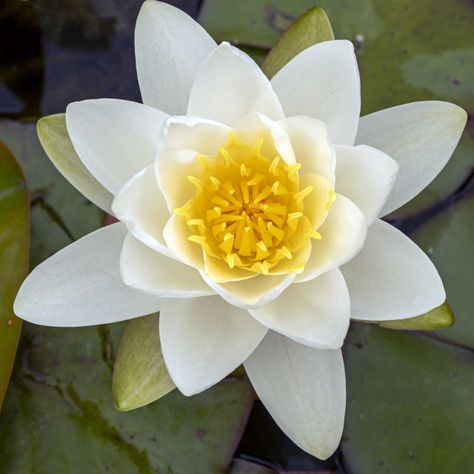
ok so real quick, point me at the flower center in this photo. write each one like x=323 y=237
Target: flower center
x=249 y=210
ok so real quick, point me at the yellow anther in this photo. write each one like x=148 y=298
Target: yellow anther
x=313 y=234
x=300 y=195
x=197 y=182
x=274 y=164
x=182 y=211
x=262 y=251
x=227 y=157
x=216 y=183
x=257 y=177
x=197 y=223
x=244 y=171
x=227 y=243
x=284 y=252
x=332 y=198
x=258 y=147
x=245 y=192
x=266 y=191
x=219 y=200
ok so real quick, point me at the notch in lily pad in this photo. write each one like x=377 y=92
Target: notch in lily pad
x=310 y=28
x=140 y=376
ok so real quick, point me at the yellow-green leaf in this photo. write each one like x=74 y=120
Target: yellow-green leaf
x=54 y=138
x=140 y=375
x=438 y=318
x=310 y=28
x=14 y=236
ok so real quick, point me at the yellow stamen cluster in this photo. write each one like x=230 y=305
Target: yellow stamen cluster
x=248 y=209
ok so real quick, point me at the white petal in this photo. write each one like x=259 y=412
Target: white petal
x=205 y=339
x=81 y=285
x=169 y=49
x=366 y=176
x=343 y=234
x=323 y=82
x=148 y=271
x=142 y=207
x=173 y=167
x=420 y=136
x=304 y=389
x=229 y=86
x=114 y=138
x=253 y=292
x=310 y=141
x=256 y=126
x=201 y=135
x=316 y=313
x=176 y=234
x=391 y=278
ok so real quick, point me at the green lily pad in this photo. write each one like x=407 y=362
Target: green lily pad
x=54 y=138
x=140 y=375
x=448 y=240
x=14 y=235
x=438 y=318
x=310 y=28
x=409 y=405
x=59 y=213
x=61 y=418
x=400 y=57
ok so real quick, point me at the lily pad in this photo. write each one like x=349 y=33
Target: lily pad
x=448 y=240
x=14 y=235
x=140 y=375
x=61 y=418
x=409 y=405
x=59 y=213
x=400 y=57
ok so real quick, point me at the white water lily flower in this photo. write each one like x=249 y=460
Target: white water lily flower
x=249 y=217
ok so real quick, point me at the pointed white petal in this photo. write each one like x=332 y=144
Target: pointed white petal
x=420 y=136
x=391 y=278
x=149 y=271
x=366 y=176
x=142 y=207
x=114 y=138
x=169 y=49
x=310 y=141
x=81 y=285
x=229 y=86
x=205 y=339
x=304 y=389
x=323 y=82
x=316 y=313
x=343 y=234
x=253 y=292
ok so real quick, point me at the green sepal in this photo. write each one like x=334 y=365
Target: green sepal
x=310 y=28
x=438 y=318
x=140 y=376
x=14 y=242
x=54 y=137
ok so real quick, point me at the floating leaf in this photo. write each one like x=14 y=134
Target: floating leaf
x=409 y=403
x=54 y=138
x=310 y=28
x=14 y=231
x=140 y=375
x=438 y=318
x=59 y=213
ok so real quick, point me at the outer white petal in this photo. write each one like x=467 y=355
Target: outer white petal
x=366 y=176
x=310 y=141
x=420 y=136
x=304 y=389
x=169 y=49
x=343 y=234
x=316 y=313
x=253 y=292
x=149 y=271
x=323 y=82
x=205 y=339
x=142 y=207
x=114 y=138
x=391 y=278
x=230 y=85
x=81 y=285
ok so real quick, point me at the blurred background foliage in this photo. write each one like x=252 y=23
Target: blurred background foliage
x=409 y=394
